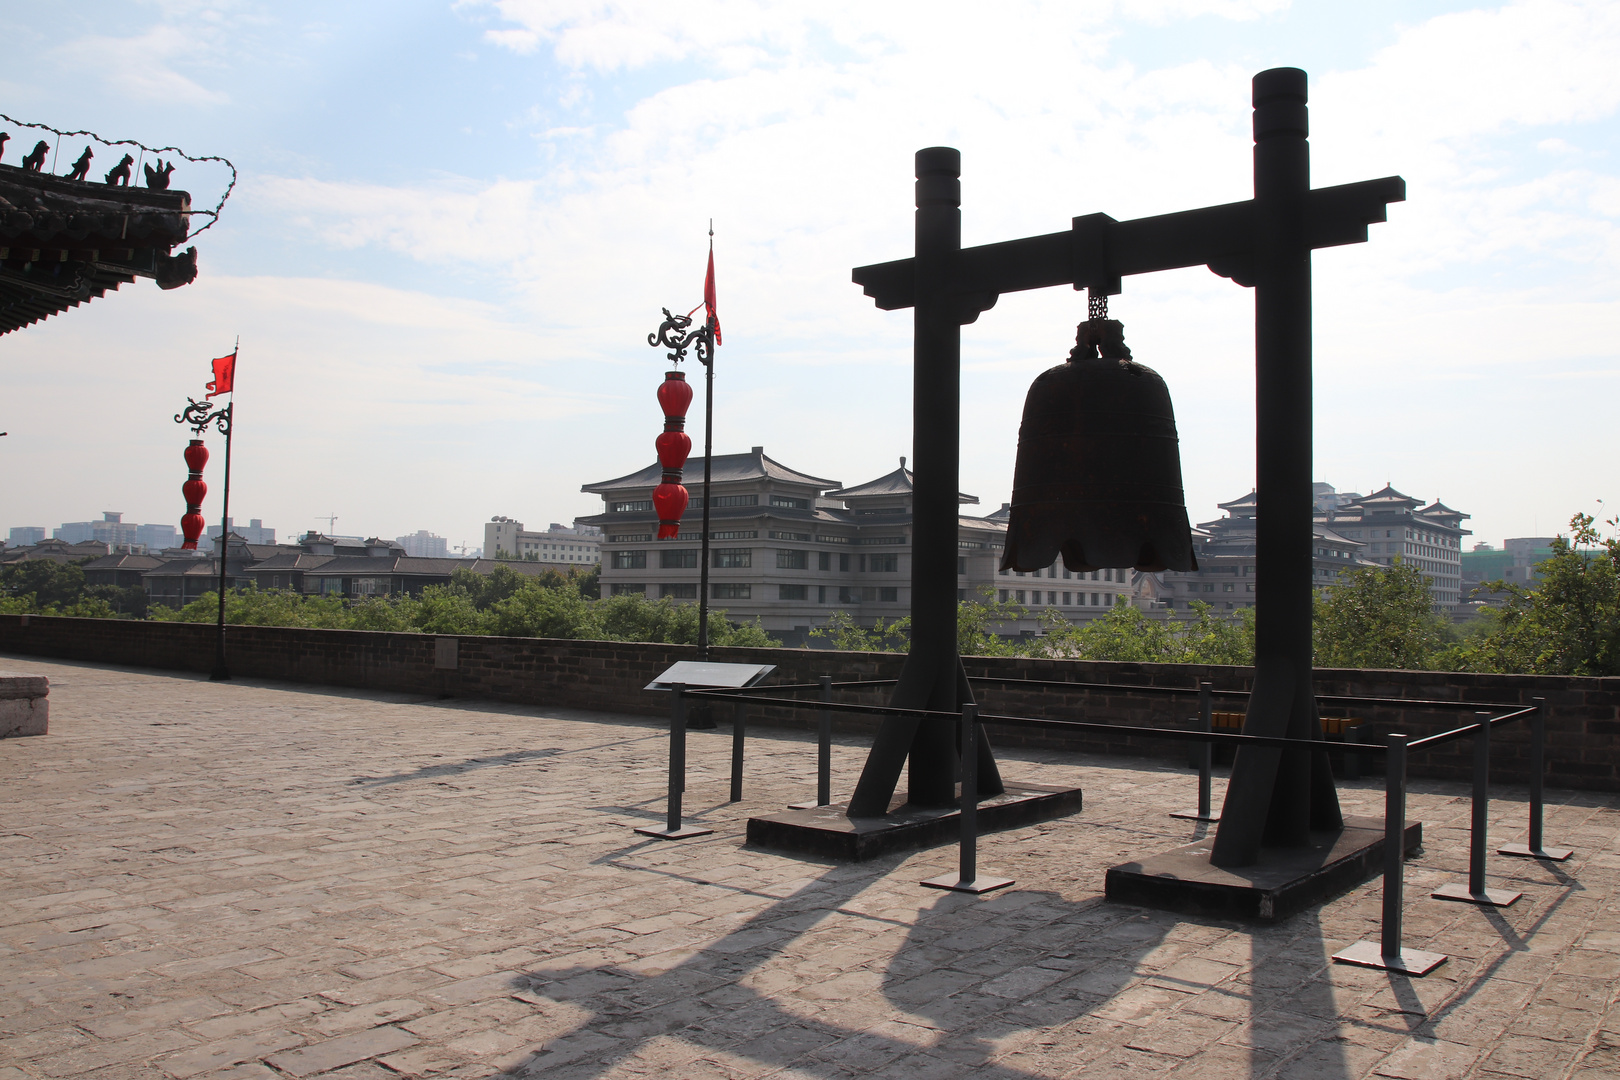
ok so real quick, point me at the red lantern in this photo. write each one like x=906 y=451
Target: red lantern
x=674 y=445
x=191 y=524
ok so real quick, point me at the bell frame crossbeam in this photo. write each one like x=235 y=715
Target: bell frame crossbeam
x=1264 y=243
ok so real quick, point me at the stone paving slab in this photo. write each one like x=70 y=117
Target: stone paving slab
x=256 y=880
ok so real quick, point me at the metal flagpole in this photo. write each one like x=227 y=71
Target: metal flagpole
x=221 y=672
x=707 y=357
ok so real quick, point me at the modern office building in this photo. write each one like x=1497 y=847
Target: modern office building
x=578 y=547
x=254 y=532
x=24 y=535
x=1228 y=566
x=1394 y=525
x=422 y=544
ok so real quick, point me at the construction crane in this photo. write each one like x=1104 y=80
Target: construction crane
x=330 y=519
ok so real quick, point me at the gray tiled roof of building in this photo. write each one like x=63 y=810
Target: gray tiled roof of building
x=727 y=468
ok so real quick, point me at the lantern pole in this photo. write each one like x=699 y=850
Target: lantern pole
x=199 y=415
x=221 y=672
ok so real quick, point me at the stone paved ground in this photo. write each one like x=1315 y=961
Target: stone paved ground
x=253 y=880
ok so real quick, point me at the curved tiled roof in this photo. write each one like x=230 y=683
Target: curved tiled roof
x=727 y=468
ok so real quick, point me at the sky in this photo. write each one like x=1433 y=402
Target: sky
x=456 y=223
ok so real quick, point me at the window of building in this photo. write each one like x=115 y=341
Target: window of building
x=680 y=590
x=1067 y=575
x=869 y=541
x=1051 y=598
x=1249 y=587
x=730 y=591
x=638 y=538
x=1209 y=587
x=734 y=500
x=1108 y=575
x=1227 y=586
x=1021 y=595
x=884 y=564
x=678 y=559
x=627 y=588
x=629 y=560
x=631 y=507
x=846 y=595
x=824 y=560
x=821 y=594
x=1068 y=599
x=803 y=537
x=961 y=565
x=1003 y=596
x=843 y=562
x=733 y=559
x=792 y=592
x=888 y=594
x=1094 y=601
x=832 y=539
x=1094 y=575
x=735 y=534
x=788 y=559
x=790 y=502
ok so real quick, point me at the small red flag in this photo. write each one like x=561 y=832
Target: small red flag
x=708 y=296
x=224 y=375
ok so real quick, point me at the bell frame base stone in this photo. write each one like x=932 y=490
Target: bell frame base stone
x=685 y=832
x=826 y=832
x=1285 y=880
x=1193 y=815
x=1410 y=962
x=982 y=884
x=1458 y=891
x=1525 y=851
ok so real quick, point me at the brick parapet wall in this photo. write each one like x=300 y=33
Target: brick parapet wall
x=1582 y=717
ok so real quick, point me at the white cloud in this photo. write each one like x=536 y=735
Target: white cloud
x=143 y=66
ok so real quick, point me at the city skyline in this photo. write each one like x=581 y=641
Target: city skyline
x=443 y=310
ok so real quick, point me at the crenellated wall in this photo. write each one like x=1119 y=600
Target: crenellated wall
x=1582 y=717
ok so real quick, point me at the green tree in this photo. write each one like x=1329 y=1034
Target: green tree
x=446 y=609
x=976 y=623
x=1124 y=634
x=1208 y=638
x=1379 y=617
x=1569 y=624
x=43 y=584
x=261 y=607
x=847 y=635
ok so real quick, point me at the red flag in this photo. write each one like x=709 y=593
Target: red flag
x=708 y=296
x=224 y=375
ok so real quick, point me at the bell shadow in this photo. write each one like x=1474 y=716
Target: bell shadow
x=972 y=976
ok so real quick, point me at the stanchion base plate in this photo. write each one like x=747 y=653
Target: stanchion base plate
x=1370 y=954
x=1489 y=898
x=1525 y=851
x=812 y=804
x=685 y=832
x=981 y=884
x=1193 y=815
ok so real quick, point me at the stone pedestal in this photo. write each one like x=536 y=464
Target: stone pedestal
x=24 y=704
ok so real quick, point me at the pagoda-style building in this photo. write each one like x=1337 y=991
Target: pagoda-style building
x=66 y=241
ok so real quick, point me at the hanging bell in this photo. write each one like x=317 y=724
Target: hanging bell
x=1098 y=478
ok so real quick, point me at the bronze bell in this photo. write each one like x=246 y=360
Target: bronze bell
x=1098 y=477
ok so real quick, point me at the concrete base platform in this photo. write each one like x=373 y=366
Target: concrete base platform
x=1284 y=881
x=825 y=832
x=24 y=705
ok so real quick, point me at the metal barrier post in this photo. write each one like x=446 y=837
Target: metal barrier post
x=824 y=746
x=1387 y=954
x=739 y=712
x=823 y=751
x=1476 y=892
x=1205 y=753
x=673 y=829
x=967 y=878
x=1538 y=769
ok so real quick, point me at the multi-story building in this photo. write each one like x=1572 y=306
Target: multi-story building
x=25 y=535
x=1078 y=595
x=117 y=534
x=575 y=548
x=422 y=544
x=789 y=549
x=1392 y=525
x=254 y=532
x=1228 y=568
